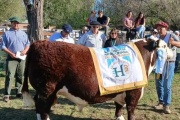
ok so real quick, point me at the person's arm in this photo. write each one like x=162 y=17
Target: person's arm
x=26 y=46
x=9 y=52
x=174 y=43
x=144 y=22
x=5 y=49
x=25 y=50
x=107 y=21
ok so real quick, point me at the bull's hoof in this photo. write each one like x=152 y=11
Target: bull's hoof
x=120 y=118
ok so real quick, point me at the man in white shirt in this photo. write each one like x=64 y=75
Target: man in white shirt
x=63 y=35
x=93 y=38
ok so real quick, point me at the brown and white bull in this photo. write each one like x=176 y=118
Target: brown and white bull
x=68 y=69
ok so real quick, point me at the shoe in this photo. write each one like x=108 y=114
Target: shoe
x=19 y=95
x=166 y=109
x=6 y=99
x=159 y=106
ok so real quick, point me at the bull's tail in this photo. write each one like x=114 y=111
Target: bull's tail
x=27 y=98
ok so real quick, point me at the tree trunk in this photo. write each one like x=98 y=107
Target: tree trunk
x=34 y=9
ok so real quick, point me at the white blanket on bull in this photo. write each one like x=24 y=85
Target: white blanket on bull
x=119 y=68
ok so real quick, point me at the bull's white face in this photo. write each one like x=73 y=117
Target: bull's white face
x=163 y=45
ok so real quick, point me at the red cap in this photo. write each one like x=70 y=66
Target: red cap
x=163 y=24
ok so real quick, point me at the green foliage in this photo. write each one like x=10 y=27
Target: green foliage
x=9 y=8
x=154 y=11
x=74 y=12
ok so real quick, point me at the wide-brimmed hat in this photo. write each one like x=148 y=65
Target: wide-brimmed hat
x=13 y=19
x=95 y=23
x=67 y=28
x=162 y=24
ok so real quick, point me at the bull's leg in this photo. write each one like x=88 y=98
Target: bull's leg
x=131 y=99
x=118 y=113
x=43 y=106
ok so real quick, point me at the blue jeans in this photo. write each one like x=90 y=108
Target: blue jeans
x=140 y=30
x=164 y=85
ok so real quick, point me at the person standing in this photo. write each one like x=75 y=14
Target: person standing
x=63 y=36
x=113 y=39
x=177 y=54
x=104 y=21
x=140 y=25
x=93 y=38
x=14 y=41
x=164 y=82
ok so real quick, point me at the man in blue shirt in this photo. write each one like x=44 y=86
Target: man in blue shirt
x=63 y=36
x=14 y=41
x=93 y=38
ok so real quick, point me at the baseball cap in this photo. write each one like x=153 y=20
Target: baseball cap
x=12 y=19
x=161 y=23
x=67 y=28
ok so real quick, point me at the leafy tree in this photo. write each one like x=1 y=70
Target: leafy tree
x=10 y=8
x=154 y=10
x=74 y=12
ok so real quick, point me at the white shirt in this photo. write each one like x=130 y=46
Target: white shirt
x=58 y=37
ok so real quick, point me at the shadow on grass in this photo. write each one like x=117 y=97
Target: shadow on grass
x=24 y=114
x=150 y=108
x=105 y=105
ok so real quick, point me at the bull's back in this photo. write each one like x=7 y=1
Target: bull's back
x=52 y=65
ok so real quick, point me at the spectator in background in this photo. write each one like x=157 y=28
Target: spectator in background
x=140 y=25
x=83 y=31
x=113 y=39
x=128 y=25
x=63 y=36
x=93 y=38
x=91 y=18
x=13 y=42
x=104 y=21
x=154 y=33
x=177 y=54
x=164 y=82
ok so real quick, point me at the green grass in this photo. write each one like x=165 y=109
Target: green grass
x=66 y=110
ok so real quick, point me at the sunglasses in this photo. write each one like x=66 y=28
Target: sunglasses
x=95 y=26
x=113 y=33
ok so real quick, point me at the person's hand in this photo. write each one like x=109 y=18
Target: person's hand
x=23 y=52
x=12 y=55
x=171 y=40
